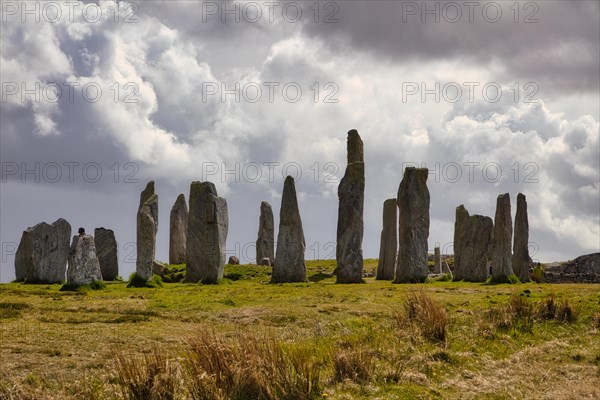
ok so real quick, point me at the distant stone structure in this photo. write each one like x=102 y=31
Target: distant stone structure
x=475 y=235
x=583 y=269
x=265 y=243
x=413 y=231
x=266 y=262
x=208 y=223
x=289 y=259
x=461 y=216
x=147 y=227
x=177 y=231
x=437 y=260
x=106 y=251
x=446 y=268
x=351 y=193
x=84 y=267
x=520 y=260
x=502 y=257
x=42 y=253
x=388 y=246
x=233 y=260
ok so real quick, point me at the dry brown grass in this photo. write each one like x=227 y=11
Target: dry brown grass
x=154 y=376
x=518 y=314
x=596 y=320
x=424 y=314
x=250 y=367
x=354 y=362
x=563 y=311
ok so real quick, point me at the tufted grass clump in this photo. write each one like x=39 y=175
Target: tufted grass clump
x=552 y=309
x=518 y=314
x=137 y=282
x=250 y=367
x=424 y=314
x=151 y=376
x=72 y=287
x=537 y=275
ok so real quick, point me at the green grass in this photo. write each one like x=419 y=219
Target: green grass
x=499 y=341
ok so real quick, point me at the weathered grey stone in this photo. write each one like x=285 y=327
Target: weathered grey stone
x=475 y=238
x=233 y=260
x=265 y=261
x=413 y=204
x=42 y=253
x=208 y=223
x=84 y=267
x=446 y=268
x=147 y=227
x=437 y=261
x=388 y=246
x=106 y=251
x=461 y=217
x=158 y=268
x=265 y=244
x=146 y=193
x=178 y=230
x=583 y=269
x=289 y=259
x=351 y=194
x=520 y=260
x=502 y=258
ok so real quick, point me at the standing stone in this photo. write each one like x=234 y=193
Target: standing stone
x=106 y=250
x=265 y=244
x=289 y=259
x=233 y=260
x=446 y=268
x=146 y=193
x=147 y=226
x=208 y=223
x=42 y=253
x=413 y=203
x=351 y=195
x=178 y=231
x=265 y=261
x=84 y=267
x=437 y=261
x=389 y=241
x=475 y=237
x=461 y=217
x=520 y=261
x=502 y=259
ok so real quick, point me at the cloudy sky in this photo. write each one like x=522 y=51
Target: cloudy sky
x=493 y=97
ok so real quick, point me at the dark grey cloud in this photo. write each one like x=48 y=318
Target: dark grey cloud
x=560 y=50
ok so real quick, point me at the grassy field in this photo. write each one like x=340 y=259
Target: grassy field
x=245 y=338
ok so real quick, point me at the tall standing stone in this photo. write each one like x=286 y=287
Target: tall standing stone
x=42 y=253
x=147 y=227
x=437 y=260
x=351 y=195
x=106 y=250
x=289 y=259
x=265 y=243
x=520 y=261
x=502 y=258
x=476 y=238
x=146 y=193
x=413 y=204
x=208 y=223
x=178 y=231
x=84 y=267
x=461 y=217
x=389 y=241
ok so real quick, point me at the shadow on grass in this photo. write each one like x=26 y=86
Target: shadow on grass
x=319 y=276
